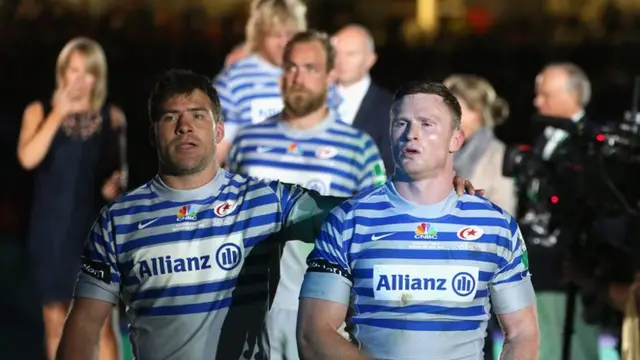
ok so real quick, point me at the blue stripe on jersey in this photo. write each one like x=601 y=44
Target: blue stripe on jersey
x=419 y=325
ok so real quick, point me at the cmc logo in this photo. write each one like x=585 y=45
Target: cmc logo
x=229 y=256
x=463 y=284
x=187 y=213
x=426 y=231
x=316 y=185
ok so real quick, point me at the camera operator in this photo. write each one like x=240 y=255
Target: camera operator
x=563 y=91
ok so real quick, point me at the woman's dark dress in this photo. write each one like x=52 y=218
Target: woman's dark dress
x=67 y=199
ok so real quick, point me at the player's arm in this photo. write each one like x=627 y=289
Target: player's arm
x=373 y=173
x=324 y=297
x=96 y=293
x=513 y=298
x=230 y=113
x=303 y=212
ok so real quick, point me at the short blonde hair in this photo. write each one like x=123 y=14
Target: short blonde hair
x=96 y=65
x=480 y=96
x=266 y=14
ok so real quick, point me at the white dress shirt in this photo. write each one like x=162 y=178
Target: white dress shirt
x=352 y=97
x=556 y=136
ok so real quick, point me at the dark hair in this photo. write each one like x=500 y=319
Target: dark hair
x=311 y=36
x=432 y=88
x=181 y=82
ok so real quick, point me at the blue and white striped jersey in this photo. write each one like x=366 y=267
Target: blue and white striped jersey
x=250 y=93
x=192 y=265
x=418 y=278
x=332 y=158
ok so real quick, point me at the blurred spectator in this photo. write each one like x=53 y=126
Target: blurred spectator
x=363 y=103
x=74 y=142
x=250 y=88
x=481 y=155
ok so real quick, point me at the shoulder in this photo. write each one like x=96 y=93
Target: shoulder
x=479 y=207
x=259 y=128
x=35 y=108
x=117 y=118
x=355 y=136
x=133 y=197
x=129 y=203
x=241 y=67
x=364 y=199
x=251 y=187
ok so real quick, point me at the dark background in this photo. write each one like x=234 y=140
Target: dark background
x=507 y=50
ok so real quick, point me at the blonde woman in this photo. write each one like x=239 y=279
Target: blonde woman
x=74 y=143
x=480 y=159
x=249 y=89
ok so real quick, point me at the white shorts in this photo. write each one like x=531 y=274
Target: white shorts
x=281 y=325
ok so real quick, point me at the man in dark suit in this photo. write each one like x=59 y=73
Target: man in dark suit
x=563 y=91
x=363 y=104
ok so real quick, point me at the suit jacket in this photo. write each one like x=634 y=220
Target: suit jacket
x=546 y=262
x=373 y=118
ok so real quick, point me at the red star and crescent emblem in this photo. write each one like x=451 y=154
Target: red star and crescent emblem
x=225 y=208
x=470 y=233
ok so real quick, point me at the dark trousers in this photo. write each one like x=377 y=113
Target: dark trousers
x=21 y=324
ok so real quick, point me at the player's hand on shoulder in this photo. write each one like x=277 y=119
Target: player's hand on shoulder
x=461 y=185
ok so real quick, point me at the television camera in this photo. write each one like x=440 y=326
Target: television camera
x=583 y=200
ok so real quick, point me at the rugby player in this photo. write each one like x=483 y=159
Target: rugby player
x=250 y=88
x=308 y=146
x=412 y=265
x=188 y=252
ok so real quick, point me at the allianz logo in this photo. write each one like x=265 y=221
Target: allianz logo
x=461 y=283
x=163 y=265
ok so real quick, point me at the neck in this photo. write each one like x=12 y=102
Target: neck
x=307 y=121
x=192 y=181
x=427 y=191
x=82 y=104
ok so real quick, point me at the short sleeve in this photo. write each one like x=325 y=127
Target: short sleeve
x=511 y=287
x=99 y=277
x=228 y=102
x=373 y=172
x=328 y=274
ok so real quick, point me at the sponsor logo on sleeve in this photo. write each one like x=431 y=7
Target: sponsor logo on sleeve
x=96 y=269
x=324 y=266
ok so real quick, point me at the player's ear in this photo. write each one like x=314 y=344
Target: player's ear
x=218 y=128
x=152 y=135
x=457 y=139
